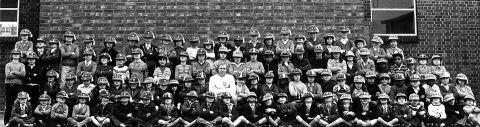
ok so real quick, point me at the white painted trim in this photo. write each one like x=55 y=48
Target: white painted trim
x=414 y=9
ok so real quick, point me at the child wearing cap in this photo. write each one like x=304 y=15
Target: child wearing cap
x=382 y=66
x=162 y=71
x=351 y=66
x=134 y=90
x=341 y=87
x=359 y=44
x=418 y=110
x=384 y=85
x=462 y=86
x=168 y=112
x=318 y=60
x=372 y=87
x=312 y=86
x=146 y=114
x=398 y=85
x=285 y=44
x=358 y=87
x=237 y=65
x=86 y=87
x=422 y=66
x=471 y=111
x=104 y=69
x=187 y=88
x=328 y=109
x=109 y=45
x=41 y=51
x=254 y=66
x=42 y=111
x=81 y=111
x=101 y=113
x=200 y=114
x=238 y=45
x=269 y=40
x=411 y=67
x=326 y=81
x=296 y=87
x=222 y=59
x=52 y=86
x=229 y=111
x=268 y=87
x=285 y=65
x=148 y=86
x=445 y=85
x=453 y=110
x=287 y=111
x=430 y=87
x=88 y=66
x=201 y=65
x=269 y=111
x=366 y=111
x=345 y=112
x=308 y=112
x=59 y=112
x=116 y=88
x=270 y=61
x=88 y=42
x=436 y=110
x=123 y=111
x=34 y=76
x=242 y=89
x=336 y=64
x=120 y=67
x=22 y=112
x=415 y=88
x=14 y=73
x=253 y=82
x=376 y=51
x=393 y=47
x=437 y=68
x=329 y=39
x=53 y=56
x=344 y=42
x=398 y=64
x=300 y=61
x=201 y=85
x=24 y=45
x=193 y=48
x=102 y=84
x=364 y=64
x=387 y=113
x=183 y=69
x=137 y=67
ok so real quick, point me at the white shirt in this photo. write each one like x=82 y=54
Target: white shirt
x=192 y=52
x=220 y=84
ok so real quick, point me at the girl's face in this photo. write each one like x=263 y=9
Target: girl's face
x=23 y=37
x=31 y=61
x=360 y=45
x=254 y=81
x=104 y=99
x=401 y=100
x=208 y=46
x=336 y=55
x=358 y=85
x=436 y=61
x=183 y=58
x=461 y=82
x=162 y=61
x=223 y=55
x=120 y=62
x=102 y=86
x=168 y=101
x=269 y=80
x=163 y=86
x=299 y=41
x=350 y=58
x=269 y=102
x=415 y=102
x=104 y=61
x=398 y=60
x=284 y=36
x=311 y=79
x=383 y=101
x=133 y=85
x=319 y=54
x=109 y=44
x=296 y=77
x=326 y=77
x=88 y=57
x=393 y=43
x=146 y=101
x=422 y=62
x=341 y=81
x=149 y=85
x=436 y=100
x=226 y=100
x=51 y=79
x=124 y=99
x=282 y=100
x=415 y=83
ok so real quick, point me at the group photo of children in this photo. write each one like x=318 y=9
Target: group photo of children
x=283 y=79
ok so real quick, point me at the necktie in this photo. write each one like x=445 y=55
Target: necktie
x=385 y=109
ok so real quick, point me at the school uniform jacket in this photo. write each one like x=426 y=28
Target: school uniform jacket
x=17 y=110
x=166 y=111
x=305 y=114
x=120 y=111
x=248 y=112
x=101 y=110
x=371 y=113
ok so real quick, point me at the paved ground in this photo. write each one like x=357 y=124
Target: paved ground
x=1 y=119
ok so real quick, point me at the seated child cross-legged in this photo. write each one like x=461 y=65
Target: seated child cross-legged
x=386 y=111
x=471 y=111
x=102 y=112
x=22 y=114
x=59 y=113
x=42 y=112
x=345 y=112
x=81 y=111
x=436 y=111
x=418 y=110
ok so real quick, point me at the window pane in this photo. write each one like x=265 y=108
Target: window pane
x=8 y=15
x=393 y=22
x=8 y=3
x=392 y=4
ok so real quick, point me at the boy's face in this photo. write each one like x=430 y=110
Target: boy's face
x=117 y=83
x=133 y=85
x=415 y=83
x=470 y=102
x=300 y=56
x=162 y=61
x=311 y=79
x=284 y=36
x=398 y=60
x=365 y=100
x=120 y=62
x=226 y=100
x=188 y=84
x=22 y=100
x=371 y=80
x=336 y=55
x=461 y=82
x=168 y=101
x=88 y=57
x=210 y=99
x=208 y=46
x=385 y=80
x=326 y=77
x=222 y=39
x=240 y=81
x=51 y=79
x=61 y=100
x=69 y=39
x=109 y=44
x=383 y=101
x=269 y=41
x=254 y=81
x=223 y=55
x=319 y=54
x=422 y=61
x=237 y=59
x=269 y=102
x=178 y=43
x=31 y=61
x=82 y=100
x=401 y=100
x=148 y=40
x=269 y=80
x=253 y=56
x=350 y=58
x=445 y=80
x=146 y=101
x=201 y=57
x=124 y=100
x=393 y=43
x=137 y=56
x=436 y=100
x=24 y=37
x=15 y=56
x=104 y=60
x=88 y=44
x=358 y=85
x=296 y=77
x=414 y=102
x=163 y=86
x=360 y=45
x=201 y=81
x=329 y=40
x=282 y=100
x=183 y=58
x=43 y=102
x=436 y=61
x=53 y=45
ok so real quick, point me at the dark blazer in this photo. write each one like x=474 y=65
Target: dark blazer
x=247 y=112
x=103 y=110
x=204 y=111
x=314 y=111
x=372 y=112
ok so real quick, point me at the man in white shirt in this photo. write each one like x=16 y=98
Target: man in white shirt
x=222 y=82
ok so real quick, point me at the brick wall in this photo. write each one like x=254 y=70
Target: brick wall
x=446 y=27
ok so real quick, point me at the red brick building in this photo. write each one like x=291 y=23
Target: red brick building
x=449 y=28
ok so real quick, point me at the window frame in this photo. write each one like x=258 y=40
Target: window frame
x=17 y=22
x=414 y=9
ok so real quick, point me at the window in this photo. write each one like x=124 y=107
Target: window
x=394 y=17
x=9 y=18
